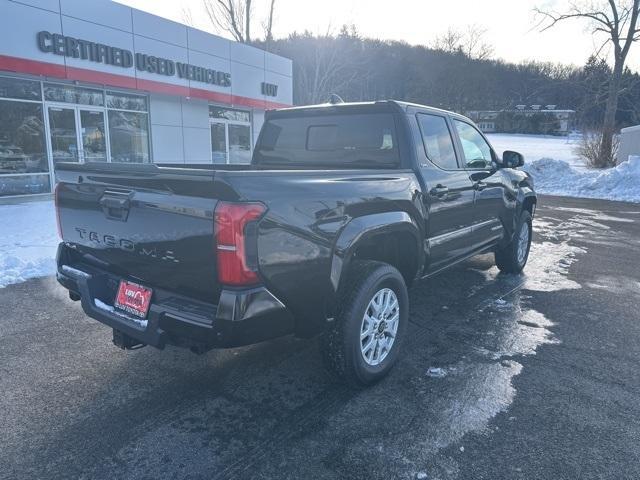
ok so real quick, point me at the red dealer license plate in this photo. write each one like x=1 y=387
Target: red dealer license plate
x=133 y=298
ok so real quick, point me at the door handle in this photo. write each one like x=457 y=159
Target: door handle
x=439 y=190
x=479 y=186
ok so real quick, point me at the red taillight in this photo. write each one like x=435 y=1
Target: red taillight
x=55 y=197
x=231 y=242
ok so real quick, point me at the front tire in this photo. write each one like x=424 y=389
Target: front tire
x=363 y=343
x=513 y=257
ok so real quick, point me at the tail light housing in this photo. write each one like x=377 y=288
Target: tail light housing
x=236 y=248
x=57 y=206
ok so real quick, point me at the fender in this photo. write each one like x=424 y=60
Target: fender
x=362 y=228
x=524 y=192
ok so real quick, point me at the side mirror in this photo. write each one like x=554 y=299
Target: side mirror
x=511 y=159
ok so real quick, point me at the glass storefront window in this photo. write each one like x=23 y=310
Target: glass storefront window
x=20 y=89
x=230 y=135
x=85 y=124
x=124 y=101
x=22 y=145
x=229 y=114
x=24 y=185
x=93 y=136
x=63 y=133
x=129 y=137
x=218 y=143
x=239 y=144
x=70 y=94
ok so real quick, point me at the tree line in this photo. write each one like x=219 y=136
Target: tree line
x=456 y=72
x=361 y=69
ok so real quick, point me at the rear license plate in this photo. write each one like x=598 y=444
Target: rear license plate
x=133 y=298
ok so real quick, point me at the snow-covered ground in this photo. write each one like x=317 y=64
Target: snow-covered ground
x=556 y=169
x=28 y=241
x=535 y=147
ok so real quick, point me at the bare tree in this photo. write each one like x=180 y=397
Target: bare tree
x=470 y=42
x=247 y=21
x=329 y=64
x=618 y=22
x=449 y=41
x=187 y=16
x=322 y=74
x=231 y=16
x=475 y=45
x=268 y=24
x=237 y=17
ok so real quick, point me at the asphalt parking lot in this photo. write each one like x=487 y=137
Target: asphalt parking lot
x=539 y=380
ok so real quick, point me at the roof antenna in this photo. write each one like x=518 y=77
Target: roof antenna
x=334 y=99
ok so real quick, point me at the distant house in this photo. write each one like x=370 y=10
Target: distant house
x=535 y=119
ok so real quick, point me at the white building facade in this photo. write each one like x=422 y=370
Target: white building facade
x=97 y=81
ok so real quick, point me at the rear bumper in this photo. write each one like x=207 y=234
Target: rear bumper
x=241 y=317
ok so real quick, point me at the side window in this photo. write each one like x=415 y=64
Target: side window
x=477 y=152
x=438 y=144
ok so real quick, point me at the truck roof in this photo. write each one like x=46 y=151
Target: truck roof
x=379 y=105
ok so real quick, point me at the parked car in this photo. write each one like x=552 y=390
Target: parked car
x=342 y=208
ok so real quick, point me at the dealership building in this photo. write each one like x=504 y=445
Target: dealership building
x=97 y=81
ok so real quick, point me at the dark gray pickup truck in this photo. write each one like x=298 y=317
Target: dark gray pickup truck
x=342 y=207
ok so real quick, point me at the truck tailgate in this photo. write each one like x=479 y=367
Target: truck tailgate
x=147 y=224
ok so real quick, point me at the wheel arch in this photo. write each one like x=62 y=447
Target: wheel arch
x=389 y=237
x=529 y=203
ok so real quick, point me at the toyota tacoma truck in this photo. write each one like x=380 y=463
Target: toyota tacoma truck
x=342 y=207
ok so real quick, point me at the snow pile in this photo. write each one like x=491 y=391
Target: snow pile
x=28 y=241
x=557 y=177
x=557 y=170
x=535 y=147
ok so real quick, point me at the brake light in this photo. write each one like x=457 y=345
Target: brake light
x=57 y=205
x=231 y=220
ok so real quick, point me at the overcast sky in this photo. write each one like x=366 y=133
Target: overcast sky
x=510 y=24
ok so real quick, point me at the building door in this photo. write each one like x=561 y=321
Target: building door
x=239 y=136
x=77 y=134
x=63 y=134
x=219 y=153
x=230 y=136
x=92 y=135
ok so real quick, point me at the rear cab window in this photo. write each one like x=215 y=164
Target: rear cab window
x=338 y=140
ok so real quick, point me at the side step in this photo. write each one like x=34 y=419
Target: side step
x=126 y=342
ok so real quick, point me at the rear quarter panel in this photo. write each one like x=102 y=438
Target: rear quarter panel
x=307 y=211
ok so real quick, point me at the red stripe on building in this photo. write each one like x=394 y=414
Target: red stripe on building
x=248 y=102
x=92 y=76
x=162 y=87
x=209 y=95
x=33 y=67
x=274 y=105
x=22 y=65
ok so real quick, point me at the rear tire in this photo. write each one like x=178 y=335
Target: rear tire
x=364 y=341
x=513 y=257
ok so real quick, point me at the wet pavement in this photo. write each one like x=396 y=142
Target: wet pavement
x=514 y=377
